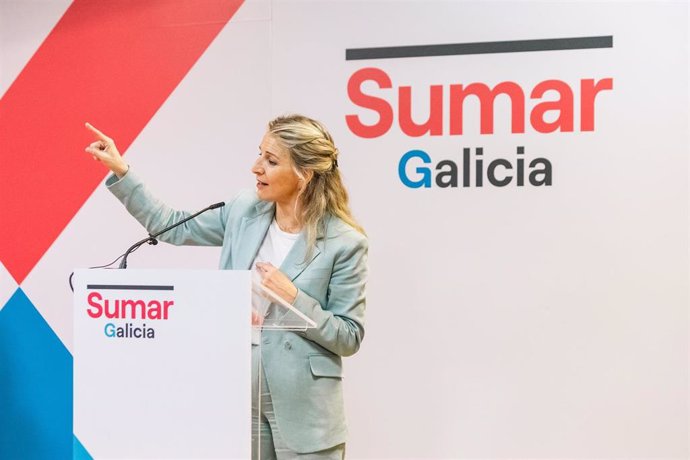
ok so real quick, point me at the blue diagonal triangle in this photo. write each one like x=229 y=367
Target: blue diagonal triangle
x=35 y=385
x=79 y=452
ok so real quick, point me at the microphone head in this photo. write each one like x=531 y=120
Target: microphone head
x=217 y=205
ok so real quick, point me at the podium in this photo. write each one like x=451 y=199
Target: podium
x=162 y=363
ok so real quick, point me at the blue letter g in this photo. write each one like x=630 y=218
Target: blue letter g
x=425 y=180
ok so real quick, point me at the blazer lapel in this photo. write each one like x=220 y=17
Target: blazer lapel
x=295 y=262
x=252 y=232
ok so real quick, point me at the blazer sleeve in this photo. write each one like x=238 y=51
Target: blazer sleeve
x=340 y=322
x=206 y=229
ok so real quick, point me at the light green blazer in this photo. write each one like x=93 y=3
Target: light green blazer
x=303 y=369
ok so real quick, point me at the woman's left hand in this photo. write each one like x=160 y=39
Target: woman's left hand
x=276 y=281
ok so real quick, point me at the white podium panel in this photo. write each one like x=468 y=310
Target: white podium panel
x=162 y=363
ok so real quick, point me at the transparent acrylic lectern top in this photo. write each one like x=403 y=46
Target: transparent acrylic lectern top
x=271 y=312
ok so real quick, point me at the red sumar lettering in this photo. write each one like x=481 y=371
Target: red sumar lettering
x=455 y=96
x=127 y=308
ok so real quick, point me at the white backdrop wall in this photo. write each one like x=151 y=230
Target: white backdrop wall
x=503 y=322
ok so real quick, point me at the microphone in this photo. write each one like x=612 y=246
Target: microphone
x=151 y=239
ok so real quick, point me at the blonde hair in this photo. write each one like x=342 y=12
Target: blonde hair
x=315 y=159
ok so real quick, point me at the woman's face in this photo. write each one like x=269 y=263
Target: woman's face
x=276 y=179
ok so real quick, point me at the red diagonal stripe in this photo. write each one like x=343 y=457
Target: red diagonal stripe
x=112 y=63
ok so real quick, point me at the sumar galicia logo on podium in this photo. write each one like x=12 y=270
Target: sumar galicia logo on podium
x=130 y=311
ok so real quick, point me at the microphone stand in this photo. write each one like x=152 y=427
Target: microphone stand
x=151 y=239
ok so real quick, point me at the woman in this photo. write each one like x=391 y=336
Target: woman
x=297 y=232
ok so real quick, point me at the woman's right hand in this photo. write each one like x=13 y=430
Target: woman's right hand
x=104 y=150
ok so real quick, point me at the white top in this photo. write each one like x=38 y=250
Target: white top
x=275 y=247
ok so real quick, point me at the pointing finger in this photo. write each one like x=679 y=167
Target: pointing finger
x=97 y=133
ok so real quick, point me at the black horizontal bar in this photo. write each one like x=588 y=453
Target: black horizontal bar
x=514 y=46
x=133 y=287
